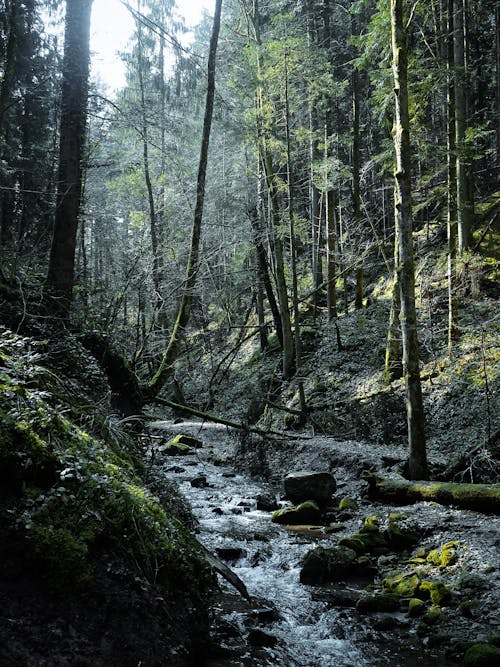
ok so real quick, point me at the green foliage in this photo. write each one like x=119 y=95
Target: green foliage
x=68 y=494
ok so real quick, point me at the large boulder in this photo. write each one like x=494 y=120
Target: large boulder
x=303 y=514
x=321 y=566
x=309 y=485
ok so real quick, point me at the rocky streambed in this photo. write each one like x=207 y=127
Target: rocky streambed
x=415 y=585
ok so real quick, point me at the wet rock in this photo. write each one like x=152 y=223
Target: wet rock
x=342 y=597
x=199 y=482
x=174 y=449
x=218 y=511
x=347 y=504
x=261 y=639
x=231 y=554
x=380 y=602
x=176 y=469
x=266 y=502
x=266 y=615
x=482 y=655
x=309 y=485
x=305 y=513
x=322 y=565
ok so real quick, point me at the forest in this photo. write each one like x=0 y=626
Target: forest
x=250 y=336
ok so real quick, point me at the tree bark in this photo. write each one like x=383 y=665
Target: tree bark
x=403 y=215
x=60 y=276
x=452 y=183
x=464 y=203
x=172 y=352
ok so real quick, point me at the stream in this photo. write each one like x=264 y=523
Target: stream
x=306 y=630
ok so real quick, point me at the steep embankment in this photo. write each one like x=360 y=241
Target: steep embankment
x=97 y=564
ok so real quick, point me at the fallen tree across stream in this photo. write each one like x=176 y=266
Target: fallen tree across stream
x=207 y=416
x=397 y=490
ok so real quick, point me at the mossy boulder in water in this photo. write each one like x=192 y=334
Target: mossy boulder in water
x=482 y=655
x=305 y=513
x=309 y=485
x=322 y=565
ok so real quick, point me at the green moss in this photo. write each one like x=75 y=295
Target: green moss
x=403 y=585
x=432 y=616
x=347 y=504
x=67 y=494
x=415 y=607
x=438 y=592
x=444 y=555
x=305 y=513
x=378 y=602
x=482 y=655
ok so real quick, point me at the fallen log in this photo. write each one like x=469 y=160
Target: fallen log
x=207 y=416
x=479 y=497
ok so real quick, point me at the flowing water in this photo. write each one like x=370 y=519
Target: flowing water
x=267 y=559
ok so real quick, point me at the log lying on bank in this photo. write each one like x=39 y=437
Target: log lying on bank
x=480 y=497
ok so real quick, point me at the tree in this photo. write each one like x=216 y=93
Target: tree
x=403 y=214
x=171 y=353
x=60 y=276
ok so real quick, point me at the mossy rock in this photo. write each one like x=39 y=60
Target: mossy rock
x=347 y=504
x=416 y=607
x=432 y=616
x=334 y=528
x=404 y=585
x=189 y=440
x=444 y=555
x=482 y=655
x=436 y=591
x=305 y=513
x=175 y=449
x=399 y=534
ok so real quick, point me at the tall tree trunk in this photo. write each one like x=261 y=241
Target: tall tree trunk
x=172 y=352
x=393 y=369
x=452 y=183
x=356 y=167
x=153 y=222
x=293 y=245
x=263 y=270
x=464 y=203
x=403 y=214
x=60 y=276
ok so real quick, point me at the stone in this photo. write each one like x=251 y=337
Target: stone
x=347 y=504
x=266 y=502
x=415 y=607
x=322 y=565
x=261 y=639
x=231 y=554
x=305 y=513
x=199 y=482
x=309 y=485
x=482 y=655
x=175 y=449
x=380 y=602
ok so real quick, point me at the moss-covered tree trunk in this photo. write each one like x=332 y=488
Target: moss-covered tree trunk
x=403 y=216
x=60 y=276
x=172 y=352
x=393 y=368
